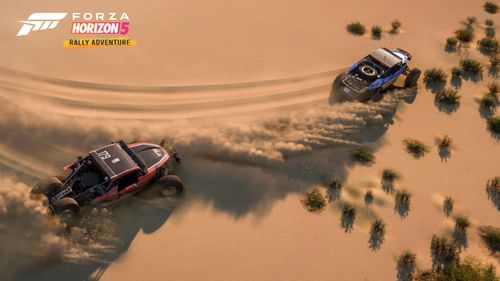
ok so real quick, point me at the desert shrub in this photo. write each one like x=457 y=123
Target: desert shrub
x=445 y=252
x=363 y=156
x=448 y=96
x=461 y=224
x=378 y=228
x=493 y=88
x=489 y=103
x=471 y=66
x=494 y=61
x=396 y=24
x=376 y=31
x=493 y=188
x=491 y=237
x=415 y=147
x=406 y=265
x=451 y=43
x=356 y=28
x=403 y=196
x=471 y=20
x=469 y=269
x=456 y=72
x=490 y=32
x=465 y=35
x=435 y=75
x=488 y=44
x=335 y=182
x=349 y=211
x=369 y=196
x=494 y=124
x=490 y=7
x=489 y=23
x=445 y=142
x=448 y=205
x=314 y=201
x=389 y=175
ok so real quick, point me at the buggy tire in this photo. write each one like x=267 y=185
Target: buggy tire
x=46 y=186
x=169 y=185
x=412 y=78
x=67 y=209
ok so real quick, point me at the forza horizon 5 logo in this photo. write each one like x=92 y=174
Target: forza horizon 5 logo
x=83 y=23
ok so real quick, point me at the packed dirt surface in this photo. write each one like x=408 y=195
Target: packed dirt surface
x=244 y=92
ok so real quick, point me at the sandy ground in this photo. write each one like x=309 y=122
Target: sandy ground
x=243 y=90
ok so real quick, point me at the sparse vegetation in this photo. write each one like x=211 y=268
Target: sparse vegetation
x=435 y=75
x=488 y=44
x=389 y=175
x=448 y=96
x=493 y=190
x=356 y=28
x=469 y=269
x=471 y=20
x=461 y=224
x=491 y=237
x=465 y=35
x=490 y=32
x=491 y=7
x=451 y=43
x=471 y=66
x=396 y=24
x=376 y=31
x=369 y=197
x=403 y=196
x=407 y=263
x=456 y=72
x=378 y=228
x=314 y=201
x=493 y=88
x=494 y=61
x=448 y=205
x=349 y=211
x=489 y=23
x=415 y=147
x=334 y=188
x=445 y=142
x=445 y=252
x=363 y=156
x=489 y=102
x=494 y=124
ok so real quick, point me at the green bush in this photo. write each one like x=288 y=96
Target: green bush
x=415 y=147
x=376 y=31
x=489 y=23
x=396 y=24
x=435 y=75
x=461 y=224
x=465 y=35
x=389 y=175
x=451 y=43
x=356 y=28
x=363 y=156
x=378 y=228
x=488 y=44
x=314 y=201
x=349 y=212
x=493 y=188
x=335 y=182
x=490 y=32
x=491 y=237
x=494 y=124
x=489 y=103
x=469 y=269
x=471 y=66
x=494 y=88
x=406 y=265
x=495 y=61
x=369 y=197
x=448 y=96
x=490 y=7
x=445 y=252
x=445 y=142
x=456 y=72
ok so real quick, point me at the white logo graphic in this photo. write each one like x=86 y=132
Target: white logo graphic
x=40 y=21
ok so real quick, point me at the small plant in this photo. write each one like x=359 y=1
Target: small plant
x=376 y=31
x=448 y=204
x=389 y=175
x=415 y=147
x=403 y=197
x=369 y=197
x=407 y=263
x=396 y=24
x=451 y=43
x=494 y=61
x=490 y=7
x=335 y=182
x=445 y=252
x=489 y=103
x=471 y=20
x=489 y=23
x=363 y=156
x=493 y=189
x=378 y=228
x=488 y=44
x=471 y=66
x=356 y=28
x=490 y=32
x=314 y=201
x=465 y=35
x=461 y=224
x=491 y=237
x=494 y=88
x=435 y=75
x=349 y=211
x=445 y=142
x=494 y=124
x=456 y=72
x=448 y=96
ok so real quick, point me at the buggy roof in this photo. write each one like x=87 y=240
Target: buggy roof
x=385 y=57
x=114 y=160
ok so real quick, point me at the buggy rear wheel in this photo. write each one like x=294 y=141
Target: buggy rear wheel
x=67 y=209
x=46 y=186
x=412 y=78
x=169 y=186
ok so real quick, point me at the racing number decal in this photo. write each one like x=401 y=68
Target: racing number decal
x=158 y=152
x=104 y=155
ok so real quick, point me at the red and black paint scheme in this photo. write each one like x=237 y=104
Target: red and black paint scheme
x=111 y=173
